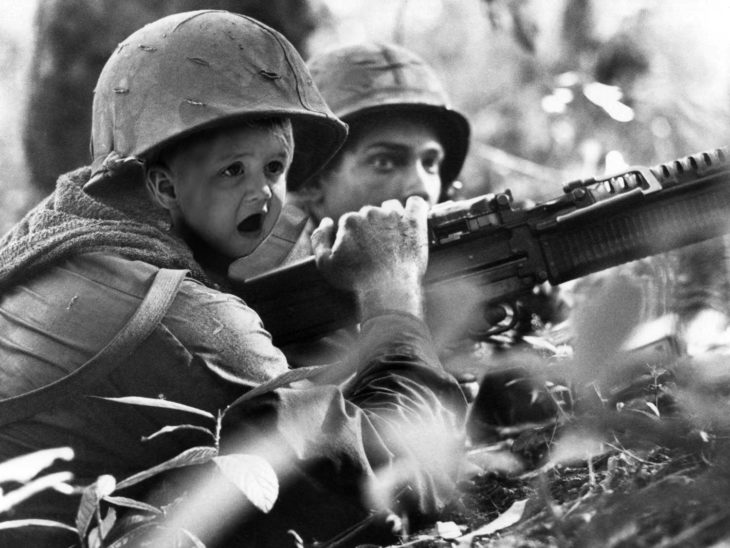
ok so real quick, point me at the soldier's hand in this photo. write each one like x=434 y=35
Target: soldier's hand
x=380 y=253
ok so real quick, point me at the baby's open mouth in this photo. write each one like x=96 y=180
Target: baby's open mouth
x=252 y=223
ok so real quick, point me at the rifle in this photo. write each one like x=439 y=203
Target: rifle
x=501 y=251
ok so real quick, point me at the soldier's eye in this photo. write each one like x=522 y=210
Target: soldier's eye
x=383 y=162
x=431 y=163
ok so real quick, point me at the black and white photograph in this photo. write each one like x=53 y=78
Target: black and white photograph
x=364 y=274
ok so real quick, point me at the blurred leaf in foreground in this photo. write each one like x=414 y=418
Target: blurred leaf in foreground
x=24 y=468
x=254 y=476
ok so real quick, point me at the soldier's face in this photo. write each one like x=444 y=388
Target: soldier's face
x=229 y=188
x=394 y=159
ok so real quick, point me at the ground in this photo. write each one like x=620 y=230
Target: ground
x=643 y=464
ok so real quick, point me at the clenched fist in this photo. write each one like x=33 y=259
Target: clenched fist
x=379 y=253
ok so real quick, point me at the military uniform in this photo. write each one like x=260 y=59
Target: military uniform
x=209 y=349
x=74 y=270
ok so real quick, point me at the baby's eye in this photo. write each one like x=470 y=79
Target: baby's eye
x=275 y=168
x=233 y=170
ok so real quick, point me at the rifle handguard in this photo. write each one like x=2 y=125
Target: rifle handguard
x=502 y=251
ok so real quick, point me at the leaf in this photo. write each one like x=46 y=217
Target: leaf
x=133 y=504
x=540 y=343
x=103 y=486
x=576 y=446
x=93 y=539
x=196 y=541
x=509 y=517
x=10 y=499
x=164 y=404
x=19 y=523
x=448 y=530
x=168 y=429
x=654 y=408
x=107 y=523
x=253 y=476
x=26 y=467
x=277 y=382
x=135 y=536
x=146 y=533
x=190 y=457
x=494 y=459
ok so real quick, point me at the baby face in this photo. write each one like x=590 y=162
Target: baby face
x=229 y=187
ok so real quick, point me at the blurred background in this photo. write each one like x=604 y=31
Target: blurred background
x=555 y=89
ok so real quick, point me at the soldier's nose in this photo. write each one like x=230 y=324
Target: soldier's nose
x=419 y=182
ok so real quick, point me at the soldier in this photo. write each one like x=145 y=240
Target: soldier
x=404 y=140
x=111 y=287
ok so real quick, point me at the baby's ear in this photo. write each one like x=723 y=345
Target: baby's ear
x=161 y=186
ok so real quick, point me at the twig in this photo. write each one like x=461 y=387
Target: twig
x=621 y=449
x=588 y=495
x=553 y=510
x=591 y=472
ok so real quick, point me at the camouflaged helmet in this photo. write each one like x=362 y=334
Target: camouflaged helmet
x=196 y=70
x=368 y=78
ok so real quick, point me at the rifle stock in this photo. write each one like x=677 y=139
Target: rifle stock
x=502 y=251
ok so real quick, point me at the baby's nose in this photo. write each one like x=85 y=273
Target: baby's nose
x=259 y=192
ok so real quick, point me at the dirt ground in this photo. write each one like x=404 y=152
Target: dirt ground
x=645 y=462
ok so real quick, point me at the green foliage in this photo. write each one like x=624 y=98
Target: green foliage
x=177 y=428
x=24 y=470
x=189 y=457
x=90 y=506
x=163 y=404
x=641 y=457
x=21 y=523
x=293 y=375
x=251 y=475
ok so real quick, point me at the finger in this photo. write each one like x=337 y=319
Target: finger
x=416 y=211
x=416 y=206
x=350 y=220
x=393 y=206
x=322 y=240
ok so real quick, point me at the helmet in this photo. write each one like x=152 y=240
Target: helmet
x=368 y=78
x=200 y=69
